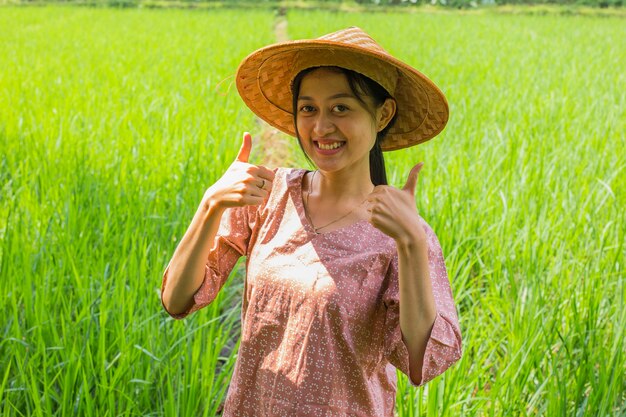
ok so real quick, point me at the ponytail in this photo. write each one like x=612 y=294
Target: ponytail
x=378 y=174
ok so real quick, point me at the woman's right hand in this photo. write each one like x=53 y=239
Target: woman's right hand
x=242 y=184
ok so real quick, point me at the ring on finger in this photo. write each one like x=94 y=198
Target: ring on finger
x=262 y=184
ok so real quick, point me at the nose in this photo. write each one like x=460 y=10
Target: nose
x=323 y=125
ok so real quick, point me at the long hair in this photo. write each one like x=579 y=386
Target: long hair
x=361 y=86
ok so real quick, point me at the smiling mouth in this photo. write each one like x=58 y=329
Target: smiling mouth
x=329 y=146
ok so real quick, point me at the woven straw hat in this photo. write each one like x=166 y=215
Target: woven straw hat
x=264 y=82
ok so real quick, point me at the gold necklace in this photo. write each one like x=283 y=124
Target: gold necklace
x=316 y=229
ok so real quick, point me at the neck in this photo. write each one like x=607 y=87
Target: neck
x=343 y=184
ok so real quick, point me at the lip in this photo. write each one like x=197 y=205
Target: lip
x=321 y=151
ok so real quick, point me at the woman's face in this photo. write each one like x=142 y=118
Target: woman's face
x=337 y=130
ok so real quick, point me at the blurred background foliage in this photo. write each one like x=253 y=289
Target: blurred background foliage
x=336 y=4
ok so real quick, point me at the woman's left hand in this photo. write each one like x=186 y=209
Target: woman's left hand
x=393 y=210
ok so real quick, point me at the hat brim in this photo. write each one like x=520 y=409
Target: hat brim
x=264 y=83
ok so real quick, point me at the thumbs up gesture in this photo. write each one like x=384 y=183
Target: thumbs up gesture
x=393 y=210
x=242 y=184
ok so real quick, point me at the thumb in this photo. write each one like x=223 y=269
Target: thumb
x=411 y=181
x=246 y=147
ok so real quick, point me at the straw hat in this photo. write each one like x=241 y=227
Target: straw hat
x=264 y=82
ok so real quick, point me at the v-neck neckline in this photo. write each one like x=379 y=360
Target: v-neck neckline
x=305 y=219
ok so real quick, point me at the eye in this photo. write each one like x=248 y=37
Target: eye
x=340 y=108
x=307 y=109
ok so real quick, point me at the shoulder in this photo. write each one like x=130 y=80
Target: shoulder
x=289 y=175
x=433 y=241
x=286 y=179
x=286 y=182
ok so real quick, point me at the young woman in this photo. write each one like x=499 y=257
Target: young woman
x=345 y=282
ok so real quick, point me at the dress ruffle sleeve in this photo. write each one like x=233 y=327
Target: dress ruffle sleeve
x=231 y=242
x=444 y=345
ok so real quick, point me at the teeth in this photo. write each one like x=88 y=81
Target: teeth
x=333 y=145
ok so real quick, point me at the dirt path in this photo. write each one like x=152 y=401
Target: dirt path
x=274 y=147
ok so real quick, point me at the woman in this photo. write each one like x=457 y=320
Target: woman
x=344 y=280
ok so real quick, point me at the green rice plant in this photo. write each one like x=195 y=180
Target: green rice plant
x=112 y=124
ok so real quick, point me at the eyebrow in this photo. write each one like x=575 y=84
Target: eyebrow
x=340 y=95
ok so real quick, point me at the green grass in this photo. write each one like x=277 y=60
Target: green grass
x=113 y=123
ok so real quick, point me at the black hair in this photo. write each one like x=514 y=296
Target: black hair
x=360 y=85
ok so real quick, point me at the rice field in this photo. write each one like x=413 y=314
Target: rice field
x=114 y=122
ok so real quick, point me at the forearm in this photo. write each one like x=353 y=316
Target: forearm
x=417 y=302
x=187 y=267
